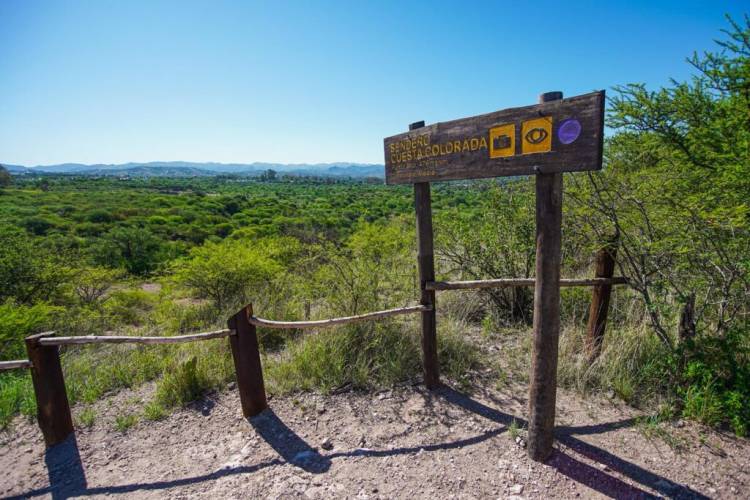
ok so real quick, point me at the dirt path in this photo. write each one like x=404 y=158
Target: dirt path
x=404 y=443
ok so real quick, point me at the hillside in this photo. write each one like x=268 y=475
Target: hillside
x=193 y=169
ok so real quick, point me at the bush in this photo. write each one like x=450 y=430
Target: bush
x=228 y=273
x=20 y=321
x=180 y=384
x=129 y=307
x=28 y=273
x=100 y=216
x=366 y=355
x=716 y=381
x=38 y=226
x=137 y=250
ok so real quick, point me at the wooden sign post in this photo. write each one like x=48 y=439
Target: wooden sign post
x=557 y=135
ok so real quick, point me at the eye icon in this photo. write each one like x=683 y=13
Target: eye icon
x=536 y=135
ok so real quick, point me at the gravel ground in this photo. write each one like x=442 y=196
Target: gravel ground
x=402 y=443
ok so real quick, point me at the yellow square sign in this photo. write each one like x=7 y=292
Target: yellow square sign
x=503 y=140
x=536 y=135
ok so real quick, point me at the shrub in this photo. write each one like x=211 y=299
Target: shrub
x=137 y=250
x=38 y=225
x=365 y=355
x=100 y=216
x=129 y=307
x=227 y=273
x=716 y=381
x=27 y=273
x=19 y=321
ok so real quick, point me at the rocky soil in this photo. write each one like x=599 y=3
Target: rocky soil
x=402 y=443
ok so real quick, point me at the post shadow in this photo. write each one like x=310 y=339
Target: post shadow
x=573 y=468
x=65 y=469
x=292 y=448
x=594 y=478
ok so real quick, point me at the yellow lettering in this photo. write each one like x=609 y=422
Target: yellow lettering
x=449 y=147
x=465 y=145
x=435 y=150
x=474 y=143
x=483 y=143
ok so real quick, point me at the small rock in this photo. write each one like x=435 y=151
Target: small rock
x=326 y=444
x=232 y=386
x=516 y=489
x=520 y=442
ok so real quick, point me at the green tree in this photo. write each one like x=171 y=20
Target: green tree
x=227 y=273
x=5 y=177
x=91 y=284
x=137 y=250
x=27 y=273
x=675 y=189
x=675 y=192
x=496 y=241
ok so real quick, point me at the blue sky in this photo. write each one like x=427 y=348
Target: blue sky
x=291 y=82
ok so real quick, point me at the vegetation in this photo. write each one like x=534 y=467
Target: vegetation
x=167 y=256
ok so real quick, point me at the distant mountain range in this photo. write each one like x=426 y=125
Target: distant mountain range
x=190 y=169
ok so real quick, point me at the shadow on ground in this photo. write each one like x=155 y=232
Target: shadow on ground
x=67 y=476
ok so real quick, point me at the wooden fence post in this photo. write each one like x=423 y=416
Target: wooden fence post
x=686 y=330
x=246 y=355
x=53 y=409
x=600 y=297
x=543 y=391
x=426 y=262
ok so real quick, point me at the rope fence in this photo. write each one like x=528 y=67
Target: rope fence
x=115 y=339
x=325 y=323
x=15 y=364
x=54 y=415
x=517 y=282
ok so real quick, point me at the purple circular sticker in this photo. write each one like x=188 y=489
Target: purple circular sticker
x=569 y=130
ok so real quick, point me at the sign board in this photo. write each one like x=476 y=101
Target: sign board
x=557 y=136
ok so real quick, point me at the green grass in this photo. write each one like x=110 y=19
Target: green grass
x=125 y=422
x=366 y=356
x=632 y=364
x=653 y=427
x=514 y=430
x=154 y=411
x=86 y=417
x=16 y=396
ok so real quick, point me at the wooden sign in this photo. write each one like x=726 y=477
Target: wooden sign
x=558 y=136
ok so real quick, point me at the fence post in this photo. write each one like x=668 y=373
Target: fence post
x=53 y=409
x=686 y=330
x=600 y=297
x=246 y=355
x=426 y=262
x=543 y=391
